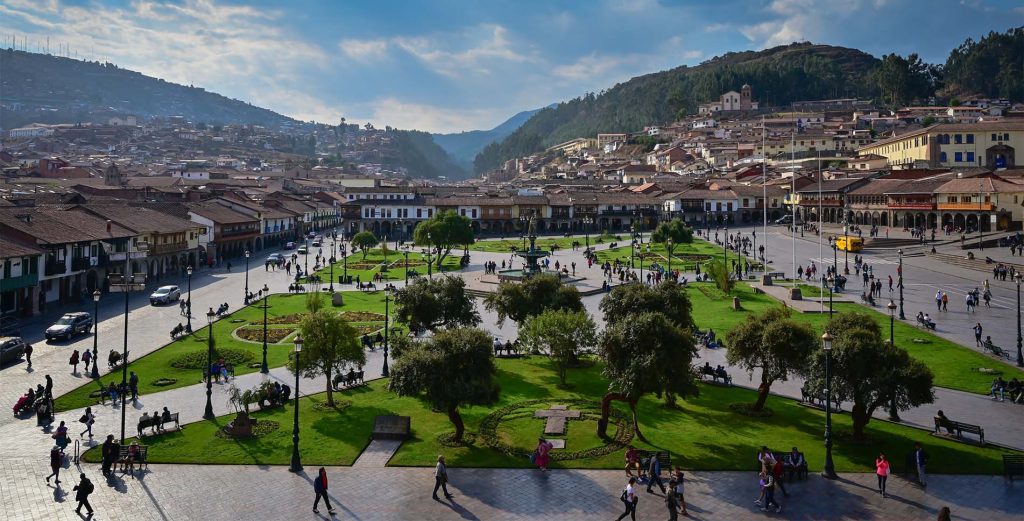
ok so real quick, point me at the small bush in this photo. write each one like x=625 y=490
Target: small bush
x=197 y=359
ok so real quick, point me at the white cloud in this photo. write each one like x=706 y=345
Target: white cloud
x=489 y=42
x=364 y=50
x=400 y=114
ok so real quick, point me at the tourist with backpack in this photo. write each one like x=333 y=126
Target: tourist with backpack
x=629 y=499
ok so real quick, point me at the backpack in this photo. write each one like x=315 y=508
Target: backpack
x=624 y=497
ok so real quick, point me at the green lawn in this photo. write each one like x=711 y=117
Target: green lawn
x=544 y=243
x=685 y=256
x=954 y=366
x=158 y=363
x=375 y=259
x=703 y=434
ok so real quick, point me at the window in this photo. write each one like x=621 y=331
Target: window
x=419 y=213
x=958 y=138
x=995 y=138
x=970 y=139
x=942 y=157
x=958 y=157
x=970 y=157
x=474 y=213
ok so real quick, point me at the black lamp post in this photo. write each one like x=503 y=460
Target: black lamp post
x=900 y=281
x=846 y=254
x=344 y=261
x=829 y=472
x=246 y=299
x=266 y=296
x=210 y=315
x=296 y=465
x=587 y=222
x=831 y=287
x=305 y=256
x=188 y=301
x=387 y=331
x=753 y=248
x=406 y=252
x=632 y=246
x=1020 y=355
x=668 y=250
x=894 y=414
x=430 y=258
x=334 y=244
x=95 y=334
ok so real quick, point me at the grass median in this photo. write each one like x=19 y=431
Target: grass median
x=366 y=268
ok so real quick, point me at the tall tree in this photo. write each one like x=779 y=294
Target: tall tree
x=452 y=369
x=721 y=275
x=365 y=240
x=671 y=234
x=425 y=305
x=562 y=334
x=668 y=298
x=330 y=343
x=443 y=232
x=868 y=371
x=645 y=354
x=531 y=297
x=773 y=343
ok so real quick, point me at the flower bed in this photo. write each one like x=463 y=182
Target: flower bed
x=255 y=334
x=294 y=318
x=259 y=428
x=362 y=316
x=197 y=359
x=365 y=329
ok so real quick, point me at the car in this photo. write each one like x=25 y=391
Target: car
x=165 y=295
x=275 y=258
x=289 y=245
x=12 y=348
x=312 y=235
x=316 y=243
x=69 y=325
x=787 y=219
x=303 y=250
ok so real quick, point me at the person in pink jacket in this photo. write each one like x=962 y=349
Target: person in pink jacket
x=882 y=471
x=543 y=448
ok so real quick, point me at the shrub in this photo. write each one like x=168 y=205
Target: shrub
x=197 y=359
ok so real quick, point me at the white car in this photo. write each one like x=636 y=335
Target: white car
x=165 y=295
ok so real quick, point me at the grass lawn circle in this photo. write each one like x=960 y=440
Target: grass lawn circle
x=490 y=436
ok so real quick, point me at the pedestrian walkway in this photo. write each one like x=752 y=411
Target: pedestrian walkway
x=377 y=454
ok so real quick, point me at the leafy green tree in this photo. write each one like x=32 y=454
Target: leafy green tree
x=866 y=370
x=365 y=240
x=991 y=67
x=425 y=305
x=443 y=232
x=719 y=273
x=676 y=230
x=531 y=297
x=668 y=298
x=645 y=354
x=773 y=343
x=330 y=343
x=562 y=334
x=903 y=79
x=454 y=368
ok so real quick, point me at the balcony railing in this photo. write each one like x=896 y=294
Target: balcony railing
x=171 y=247
x=969 y=207
x=804 y=201
x=919 y=205
x=80 y=263
x=54 y=268
x=24 y=281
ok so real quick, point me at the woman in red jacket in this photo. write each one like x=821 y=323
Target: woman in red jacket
x=882 y=471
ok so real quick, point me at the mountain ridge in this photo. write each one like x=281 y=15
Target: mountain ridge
x=464 y=146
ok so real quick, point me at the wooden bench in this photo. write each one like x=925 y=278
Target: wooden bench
x=800 y=471
x=996 y=350
x=155 y=422
x=1013 y=465
x=663 y=457
x=727 y=380
x=122 y=457
x=347 y=380
x=958 y=429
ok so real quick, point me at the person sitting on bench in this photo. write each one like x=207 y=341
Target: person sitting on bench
x=987 y=344
x=720 y=373
x=941 y=421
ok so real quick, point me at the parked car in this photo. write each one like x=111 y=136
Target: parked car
x=289 y=245
x=12 y=348
x=303 y=250
x=316 y=243
x=165 y=295
x=69 y=325
x=787 y=219
x=311 y=235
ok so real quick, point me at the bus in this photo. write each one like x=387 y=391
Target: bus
x=851 y=244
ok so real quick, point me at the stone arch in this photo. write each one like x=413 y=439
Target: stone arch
x=884 y=219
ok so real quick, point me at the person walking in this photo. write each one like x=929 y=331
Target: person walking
x=88 y=418
x=654 y=473
x=441 y=478
x=938 y=300
x=977 y=334
x=769 y=493
x=629 y=499
x=74 y=362
x=56 y=462
x=882 y=471
x=541 y=458
x=49 y=388
x=133 y=385
x=945 y=301
x=670 y=501
x=320 y=488
x=921 y=462
x=109 y=453
x=86 y=358
x=60 y=436
x=945 y=514
x=28 y=356
x=84 y=488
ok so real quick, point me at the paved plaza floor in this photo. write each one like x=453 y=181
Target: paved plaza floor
x=368 y=491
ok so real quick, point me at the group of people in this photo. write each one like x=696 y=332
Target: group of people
x=648 y=471
x=39 y=401
x=157 y=420
x=1000 y=389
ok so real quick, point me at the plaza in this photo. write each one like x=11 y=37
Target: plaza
x=394 y=484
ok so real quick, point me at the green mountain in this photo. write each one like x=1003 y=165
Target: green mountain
x=417 y=152
x=800 y=71
x=464 y=146
x=992 y=67
x=41 y=88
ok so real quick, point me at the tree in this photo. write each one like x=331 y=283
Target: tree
x=775 y=344
x=442 y=232
x=330 y=343
x=866 y=370
x=563 y=334
x=425 y=305
x=531 y=297
x=645 y=354
x=721 y=275
x=676 y=230
x=450 y=370
x=667 y=298
x=365 y=240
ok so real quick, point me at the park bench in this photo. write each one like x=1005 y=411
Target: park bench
x=663 y=457
x=927 y=325
x=122 y=457
x=155 y=422
x=959 y=428
x=996 y=350
x=800 y=471
x=347 y=380
x=1013 y=465
x=229 y=367
x=818 y=400
x=726 y=379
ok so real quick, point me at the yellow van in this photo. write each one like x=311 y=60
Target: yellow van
x=852 y=244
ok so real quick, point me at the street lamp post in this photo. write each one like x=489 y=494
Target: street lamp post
x=846 y=254
x=188 y=301
x=208 y=414
x=387 y=331
x=668 y=250
x=430 y=258
x=296 y=465
x=406 y=252
x=587 y=221
x=899 y=274
x=894 y=414
x=753 y=248
x=95 y=333
x=246 y=299
x=831 y=287
x=305 y=256
x=334 y=245
x=344 y=260
x=266 y=296
x=829 y=472
x=632 y=246
x=1020 y=355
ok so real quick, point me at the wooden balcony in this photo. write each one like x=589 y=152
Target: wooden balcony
x=967 y=207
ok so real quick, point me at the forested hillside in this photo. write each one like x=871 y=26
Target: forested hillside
x=991 y=67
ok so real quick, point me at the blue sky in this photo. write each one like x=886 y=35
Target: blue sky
x=446 y=65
